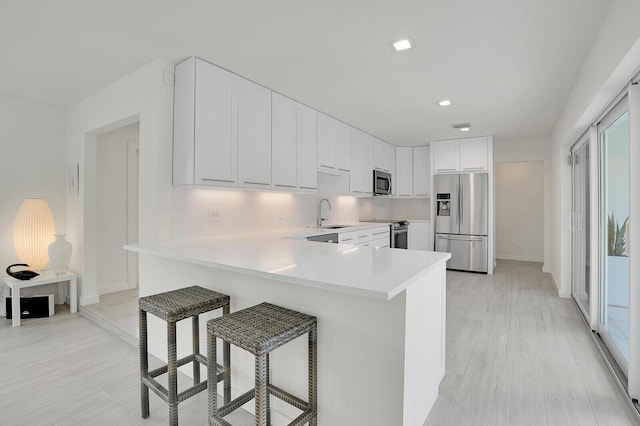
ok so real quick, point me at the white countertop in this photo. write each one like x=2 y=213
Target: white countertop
x=285 y=255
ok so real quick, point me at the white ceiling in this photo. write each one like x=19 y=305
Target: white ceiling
x=508 y=65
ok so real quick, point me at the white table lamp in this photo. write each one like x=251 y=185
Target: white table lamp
x=33 y=231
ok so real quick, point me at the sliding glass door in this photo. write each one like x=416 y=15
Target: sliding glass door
x=613 y=132
x=580 y=226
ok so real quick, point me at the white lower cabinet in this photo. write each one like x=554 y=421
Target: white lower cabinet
x=371 y=237
x=419 y=236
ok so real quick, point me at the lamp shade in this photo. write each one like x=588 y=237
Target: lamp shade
x=33 y=231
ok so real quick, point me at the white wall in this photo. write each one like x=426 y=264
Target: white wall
x=525 y=151
x=32 y=164
x=140 y=96
x=613 y=59
x=520 y=211
x=112 y=208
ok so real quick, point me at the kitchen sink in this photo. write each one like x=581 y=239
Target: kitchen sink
x=334 y=226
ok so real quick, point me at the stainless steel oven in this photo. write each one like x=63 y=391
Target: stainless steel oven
x=399 y=234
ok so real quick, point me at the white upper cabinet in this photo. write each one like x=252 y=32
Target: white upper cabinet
x=293 y=145
x=421 y=171
x=383 y=155
x=355 y=158
x=474 y=154
x=254 y=134
x=205 y=125
x=456 y=155
x=333 y=145
x=366 y=164
x=404 y=172
x=446 y=155
x=326 y=149
x=307 y=145
x=284 y=150
x=341 y=144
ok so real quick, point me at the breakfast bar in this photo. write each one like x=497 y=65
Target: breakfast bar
x=381 y=317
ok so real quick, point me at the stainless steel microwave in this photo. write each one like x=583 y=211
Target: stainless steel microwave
x=381 y=183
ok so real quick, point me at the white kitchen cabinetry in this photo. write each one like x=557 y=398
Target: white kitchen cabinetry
x=355 y=158
x=474 y=153
x=419 y=236
x=421 y=171
x=205 y=137
x=307 y=144
x=372 y=237
x=446 y=155
x=293 y=145
x=461 y=155
x=360 y=180
x=383 y=155
x=254 y=134
x=283 y=142
x=404 y=172
x=333 y=145
x=366 y=164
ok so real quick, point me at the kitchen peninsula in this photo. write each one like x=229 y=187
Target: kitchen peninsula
x=381 y=317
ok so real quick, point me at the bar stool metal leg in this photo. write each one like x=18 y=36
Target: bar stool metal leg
x=313 y=375
x=226 y=363
x=267 y=405
x=261 y=390
x=172 y=371
x=195 y=325
x=144 y=363
x=212 y=376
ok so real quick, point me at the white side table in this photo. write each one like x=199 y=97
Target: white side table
x=46 y=277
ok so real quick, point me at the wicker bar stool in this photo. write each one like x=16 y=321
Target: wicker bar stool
x=260 y=329
x=173 y=306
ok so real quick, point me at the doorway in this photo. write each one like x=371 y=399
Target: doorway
x=117 y=164
x=519 y=201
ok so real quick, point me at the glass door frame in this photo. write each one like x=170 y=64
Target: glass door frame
x=620 y=108
x=589 y=139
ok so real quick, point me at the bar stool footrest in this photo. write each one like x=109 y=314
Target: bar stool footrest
x=236 y=403
x=285 y=396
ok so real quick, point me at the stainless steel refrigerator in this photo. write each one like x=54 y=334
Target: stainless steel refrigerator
x=461 y=225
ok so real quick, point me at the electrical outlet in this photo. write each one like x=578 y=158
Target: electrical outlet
x=214 y=216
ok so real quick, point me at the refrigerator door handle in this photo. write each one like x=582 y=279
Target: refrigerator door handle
x=461 y=202
x=458 y=201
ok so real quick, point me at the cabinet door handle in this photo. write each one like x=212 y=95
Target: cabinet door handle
x=474 y=168
x=255 y=183
x=218 y=180
x=328 y=167
x=344 y=170
x=447 y=170
x=283 y=186
x=308 y=187
x=380 y=233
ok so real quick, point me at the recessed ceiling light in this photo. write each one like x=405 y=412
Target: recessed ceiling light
x=402 y=45
x=445 y=102
x=463 y=127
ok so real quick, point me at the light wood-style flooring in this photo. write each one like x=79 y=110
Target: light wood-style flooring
x=516 y=355
x=519 y=355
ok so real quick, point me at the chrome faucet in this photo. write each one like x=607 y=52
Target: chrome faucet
x=320 y=218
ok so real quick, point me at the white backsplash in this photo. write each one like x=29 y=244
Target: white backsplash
x=201 y=212
x=393 y=208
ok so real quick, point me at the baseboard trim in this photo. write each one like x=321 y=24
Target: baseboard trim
x=114 y=288
x=89 y=300
x=133 y=341
x=520 y=258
